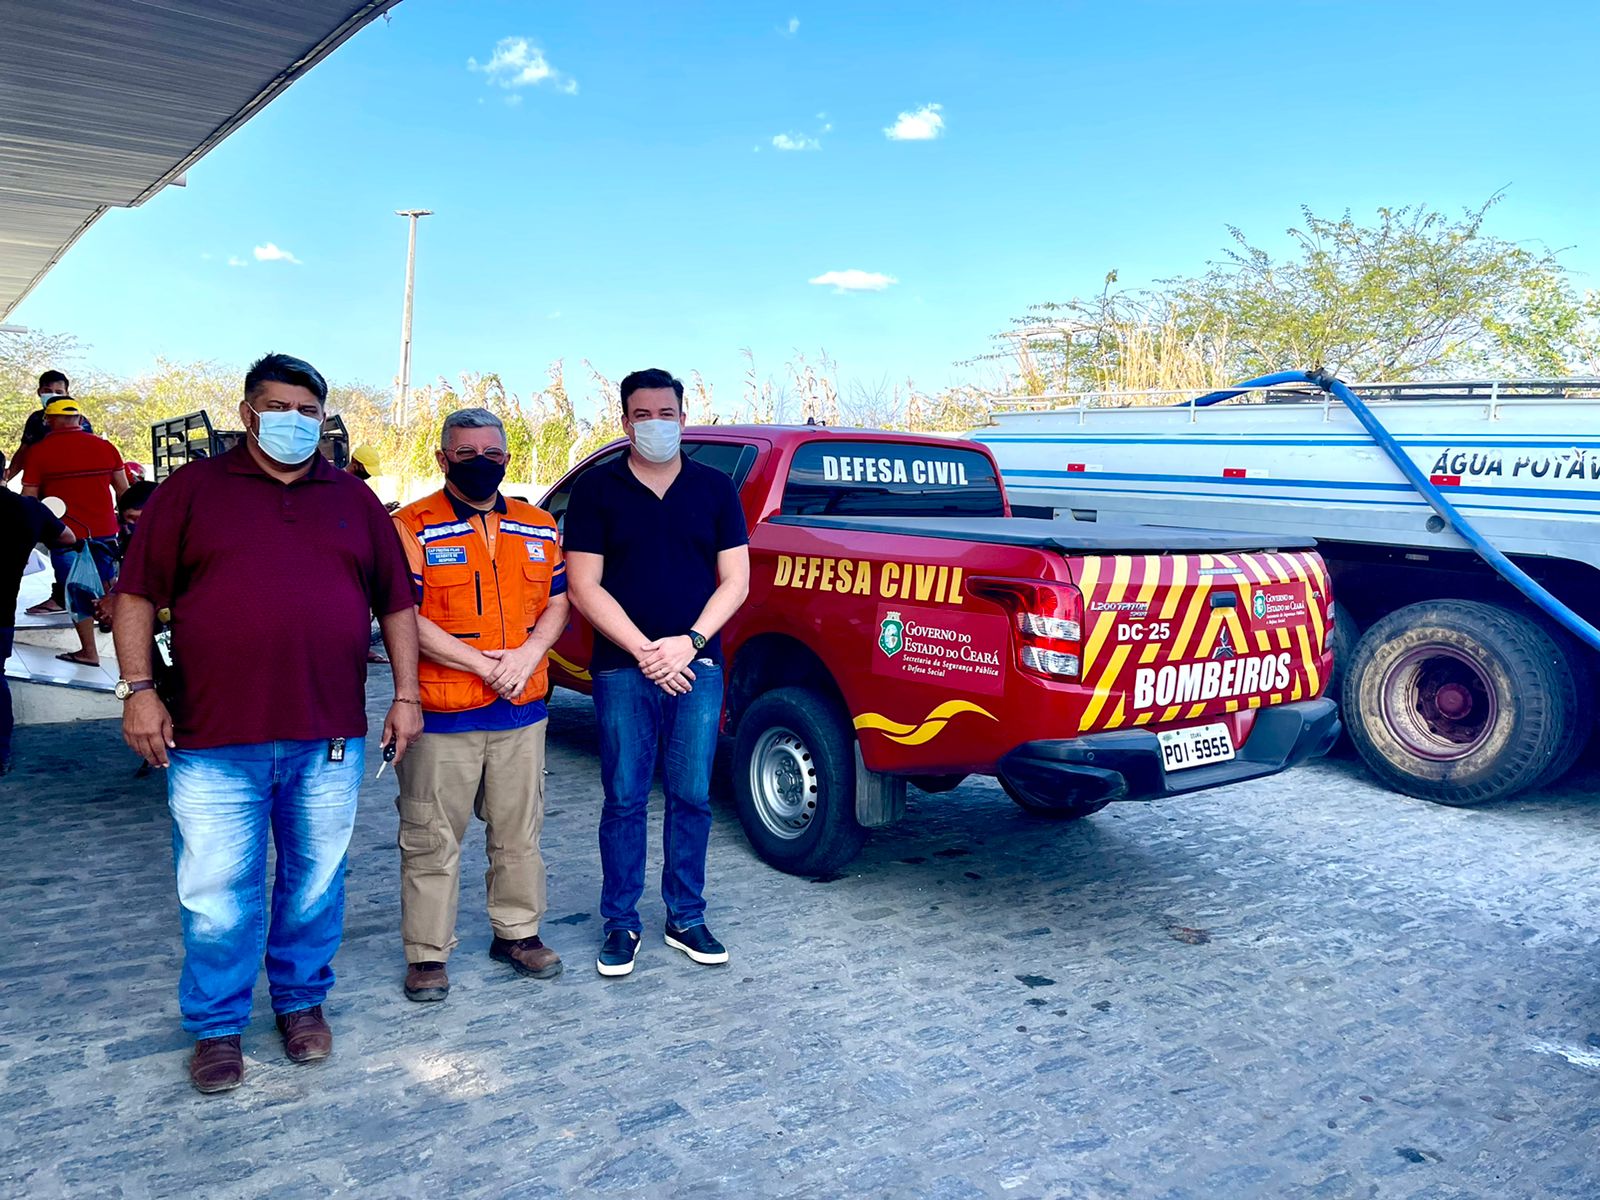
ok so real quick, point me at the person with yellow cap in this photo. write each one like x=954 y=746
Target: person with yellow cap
x=365 y=462
x=52 y=386
x=86 y=473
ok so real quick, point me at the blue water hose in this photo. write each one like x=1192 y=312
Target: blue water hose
x=1536 y=592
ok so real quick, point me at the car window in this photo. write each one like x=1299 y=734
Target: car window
x=556 y=502
x=733 y=459
x=891 y=479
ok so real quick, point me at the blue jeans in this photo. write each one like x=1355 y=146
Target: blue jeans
x=223 y=803
x=636 y=719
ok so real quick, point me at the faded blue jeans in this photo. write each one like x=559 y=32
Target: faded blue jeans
x=637 y=719
x=224 y=803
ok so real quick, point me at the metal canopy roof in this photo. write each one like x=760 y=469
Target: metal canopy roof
x=105 y=102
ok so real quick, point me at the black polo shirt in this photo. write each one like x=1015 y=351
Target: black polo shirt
x=660 y=552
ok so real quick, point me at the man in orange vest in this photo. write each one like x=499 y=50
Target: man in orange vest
x=491 y=600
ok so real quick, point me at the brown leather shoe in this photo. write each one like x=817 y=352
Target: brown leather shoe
x=427 y=981
x=306 y=1036
x=527 y=956
x=217 y=1064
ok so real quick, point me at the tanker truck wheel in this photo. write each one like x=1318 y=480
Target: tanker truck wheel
x=794 y=782
x=1581 y=724
x=1461 y=702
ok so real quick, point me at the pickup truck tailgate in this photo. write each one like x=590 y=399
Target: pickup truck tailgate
x=1175 y=637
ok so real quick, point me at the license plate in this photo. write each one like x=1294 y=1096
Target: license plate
x=1199 y=746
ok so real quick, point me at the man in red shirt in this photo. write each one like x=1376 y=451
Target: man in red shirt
x=86 y=473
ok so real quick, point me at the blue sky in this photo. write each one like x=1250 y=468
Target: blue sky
x=612 y=190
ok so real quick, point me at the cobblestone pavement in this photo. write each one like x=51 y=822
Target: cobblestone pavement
x=1302 y=987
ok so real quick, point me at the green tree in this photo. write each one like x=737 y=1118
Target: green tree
x=24 y=356
x=1412 y=293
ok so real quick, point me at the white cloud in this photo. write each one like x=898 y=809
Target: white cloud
x=923 y=125
x=518 y=63
x=235 y=261
x=792 y=28
x=853 y=281
x=796 y=141
x=272 y=252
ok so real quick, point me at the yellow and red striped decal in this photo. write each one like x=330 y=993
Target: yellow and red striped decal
x=1176 y=590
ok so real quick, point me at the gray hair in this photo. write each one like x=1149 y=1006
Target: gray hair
x=470 y=418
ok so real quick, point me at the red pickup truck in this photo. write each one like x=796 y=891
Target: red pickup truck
x=903 y=627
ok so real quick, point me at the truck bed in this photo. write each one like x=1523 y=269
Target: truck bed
x=1060 y=534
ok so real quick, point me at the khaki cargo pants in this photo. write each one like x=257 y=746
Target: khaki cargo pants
x=444 y=779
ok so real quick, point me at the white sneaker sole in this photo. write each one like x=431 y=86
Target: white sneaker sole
x=615 y=970
x=708 y=960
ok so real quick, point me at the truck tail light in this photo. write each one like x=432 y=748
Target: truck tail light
x=1048 y=618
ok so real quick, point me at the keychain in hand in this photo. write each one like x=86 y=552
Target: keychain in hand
x=388 y=757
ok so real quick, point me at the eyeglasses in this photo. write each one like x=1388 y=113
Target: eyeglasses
x=465 y=454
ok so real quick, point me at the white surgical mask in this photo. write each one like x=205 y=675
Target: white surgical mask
x=657 y=441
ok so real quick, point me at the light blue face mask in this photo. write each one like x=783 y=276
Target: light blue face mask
x=287 y=437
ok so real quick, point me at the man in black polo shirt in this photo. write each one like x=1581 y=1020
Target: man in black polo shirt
x=24 y=522
x=657 y=560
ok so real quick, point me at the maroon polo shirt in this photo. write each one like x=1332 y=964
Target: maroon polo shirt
x=272 y=589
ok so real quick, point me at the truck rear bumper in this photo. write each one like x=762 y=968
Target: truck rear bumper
x=1126 y=764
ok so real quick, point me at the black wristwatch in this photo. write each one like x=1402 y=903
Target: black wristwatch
x=698 y=640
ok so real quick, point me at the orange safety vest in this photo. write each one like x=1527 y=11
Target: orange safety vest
x=490 y=602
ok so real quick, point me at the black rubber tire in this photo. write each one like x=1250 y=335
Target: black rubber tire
x=1070 y=811
x=935 y=785
x=832 y=836
x=1581 y=723
x=1534 y=688
x=1345 y=637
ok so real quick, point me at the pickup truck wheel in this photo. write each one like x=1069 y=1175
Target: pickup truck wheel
x=1460 y=702
x=794 y=783
x=1071 y=810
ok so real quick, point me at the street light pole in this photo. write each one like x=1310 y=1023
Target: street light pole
x=403 y=380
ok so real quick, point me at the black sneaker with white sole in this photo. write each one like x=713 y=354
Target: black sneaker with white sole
x=617 y=953
x=698 y=944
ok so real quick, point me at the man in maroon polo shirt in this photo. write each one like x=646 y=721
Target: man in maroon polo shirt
x=273 y=564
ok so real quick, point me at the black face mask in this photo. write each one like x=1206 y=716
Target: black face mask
x=477 y=479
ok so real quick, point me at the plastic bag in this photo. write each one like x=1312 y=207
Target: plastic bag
x=84 y=585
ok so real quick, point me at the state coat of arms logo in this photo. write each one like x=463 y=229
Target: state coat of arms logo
x=891 y=635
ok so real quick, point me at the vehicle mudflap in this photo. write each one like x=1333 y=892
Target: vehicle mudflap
x=880 y=799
